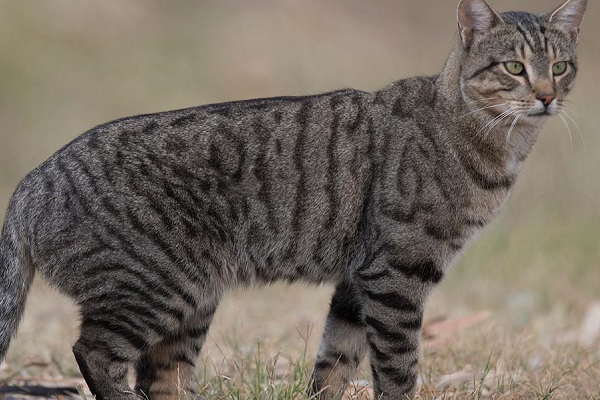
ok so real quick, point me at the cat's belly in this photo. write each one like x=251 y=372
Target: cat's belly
x=317 y=255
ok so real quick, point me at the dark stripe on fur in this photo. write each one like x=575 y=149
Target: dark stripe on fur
x=393 y=300
x=426 y=271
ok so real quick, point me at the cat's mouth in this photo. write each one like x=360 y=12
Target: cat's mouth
x=540 y=110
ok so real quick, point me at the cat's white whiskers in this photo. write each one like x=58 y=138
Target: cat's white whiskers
x=568 y=130
x=512 y=112
x=512 y=126
x=483 y=99
x=563 y=111
x=494 y=122
x=491 y=124
x=484 y=108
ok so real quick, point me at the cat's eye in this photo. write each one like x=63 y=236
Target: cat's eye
x=514 y=67
x=559 y=68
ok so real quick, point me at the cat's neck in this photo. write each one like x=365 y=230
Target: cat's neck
x=498 y=148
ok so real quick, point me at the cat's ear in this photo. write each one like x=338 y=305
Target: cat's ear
x=475 y=17
x=569 y=17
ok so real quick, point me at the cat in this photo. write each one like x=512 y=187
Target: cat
x=148 y=220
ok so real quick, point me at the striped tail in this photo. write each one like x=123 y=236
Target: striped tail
x=16 y=274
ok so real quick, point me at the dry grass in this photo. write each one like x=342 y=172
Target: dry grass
x=534 y=352
x=67 y=66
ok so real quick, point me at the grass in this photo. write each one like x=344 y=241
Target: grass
x=515 y=368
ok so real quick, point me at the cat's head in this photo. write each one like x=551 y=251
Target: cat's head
x=515 y=63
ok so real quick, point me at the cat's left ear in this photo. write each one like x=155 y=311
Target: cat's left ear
x=475 y=17
x=569 y=17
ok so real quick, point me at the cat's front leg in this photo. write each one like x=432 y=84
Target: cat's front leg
x=343 y=345
x=394 y=296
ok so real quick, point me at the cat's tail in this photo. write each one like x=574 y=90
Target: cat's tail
x=16 y=274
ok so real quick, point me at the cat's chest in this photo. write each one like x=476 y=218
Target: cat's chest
x=429 y=205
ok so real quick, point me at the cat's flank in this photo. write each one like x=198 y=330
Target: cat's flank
x=147 y=221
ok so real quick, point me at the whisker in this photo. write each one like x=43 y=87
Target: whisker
x=513 y=112
x=568 y=130
x=500 y=118
x=494 y=122
x=491 y=122
x=514 y=123
x=483 y=108
x=564 y=112
x=484 y=99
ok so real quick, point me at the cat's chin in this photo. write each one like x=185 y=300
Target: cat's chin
x=536 y=119
x=539 y=115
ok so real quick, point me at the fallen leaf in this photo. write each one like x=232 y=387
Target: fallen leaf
x=590 y=327
x=438 y=332
x=458 y=378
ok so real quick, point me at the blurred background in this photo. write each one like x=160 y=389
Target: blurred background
x=66 y=66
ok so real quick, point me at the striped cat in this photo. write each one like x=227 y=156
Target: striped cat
x=147 y=221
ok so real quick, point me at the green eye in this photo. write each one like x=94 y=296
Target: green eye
x=559 y=68
x=514 y=67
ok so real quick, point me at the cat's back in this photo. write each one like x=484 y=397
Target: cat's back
x=208 y=140
x=278 y=175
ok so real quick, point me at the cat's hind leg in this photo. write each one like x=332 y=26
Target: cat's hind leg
x=165 y=370
x=343 y=345
x=104 y=352
x=118 y=326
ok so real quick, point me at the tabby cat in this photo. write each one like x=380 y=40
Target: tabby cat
x=147 y=221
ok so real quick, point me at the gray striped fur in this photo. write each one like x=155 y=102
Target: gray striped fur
x=146 y=221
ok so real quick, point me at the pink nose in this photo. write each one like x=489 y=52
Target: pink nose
x=546 y=99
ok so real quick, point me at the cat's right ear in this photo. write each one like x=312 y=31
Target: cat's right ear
x=475 y=17
x=569 y=16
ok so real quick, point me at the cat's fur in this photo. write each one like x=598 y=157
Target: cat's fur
x=146 y=221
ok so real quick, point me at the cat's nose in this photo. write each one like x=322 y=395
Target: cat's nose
x=546 y=99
